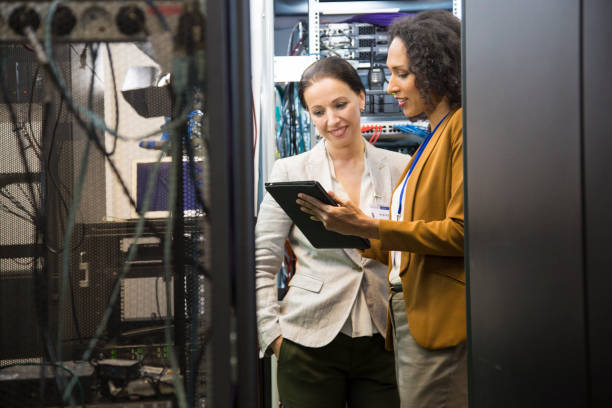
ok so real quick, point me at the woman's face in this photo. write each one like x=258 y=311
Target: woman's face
x=402 y=82
x=334 y=108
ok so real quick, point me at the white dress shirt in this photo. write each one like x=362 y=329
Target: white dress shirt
x=396 y=256
x=359 y=322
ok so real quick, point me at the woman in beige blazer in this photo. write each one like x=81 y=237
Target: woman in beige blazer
x=328 y=331
x=422 y=240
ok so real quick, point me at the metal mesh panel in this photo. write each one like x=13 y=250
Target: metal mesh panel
x=111 y=275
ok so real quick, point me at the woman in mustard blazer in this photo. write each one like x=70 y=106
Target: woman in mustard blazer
x=422 y=241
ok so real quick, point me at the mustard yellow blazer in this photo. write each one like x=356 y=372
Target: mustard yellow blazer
x=431 y=238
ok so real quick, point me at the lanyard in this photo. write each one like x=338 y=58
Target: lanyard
x=414 y=161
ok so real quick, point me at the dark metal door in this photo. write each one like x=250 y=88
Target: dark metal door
x=525 y=204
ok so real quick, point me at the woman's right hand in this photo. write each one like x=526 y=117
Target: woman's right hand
x=276 y=345
x=345 y=218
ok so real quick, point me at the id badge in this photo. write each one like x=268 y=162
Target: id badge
x=379 y=212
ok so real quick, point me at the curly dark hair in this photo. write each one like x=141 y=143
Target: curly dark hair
x=433 y=44
x=330 y=67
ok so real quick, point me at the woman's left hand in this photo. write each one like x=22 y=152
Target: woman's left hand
x=345 y=218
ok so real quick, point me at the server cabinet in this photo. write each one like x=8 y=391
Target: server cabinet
x=597 y=188
x=534 y=197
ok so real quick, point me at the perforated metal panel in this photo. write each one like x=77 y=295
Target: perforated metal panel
x=115 y=299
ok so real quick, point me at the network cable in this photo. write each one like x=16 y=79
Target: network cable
x=126 y=266
x=46 y=54
x=50 y=63
x=131 y=253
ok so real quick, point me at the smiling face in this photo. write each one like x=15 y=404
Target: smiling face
x=334 y=108
x=402 y=82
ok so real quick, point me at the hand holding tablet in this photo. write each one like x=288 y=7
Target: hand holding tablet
x=286 y=194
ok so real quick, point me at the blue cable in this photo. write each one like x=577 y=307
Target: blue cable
x=158 y=14
x=415 y=130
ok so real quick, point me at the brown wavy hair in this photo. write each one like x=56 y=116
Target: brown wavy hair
x=330 y=67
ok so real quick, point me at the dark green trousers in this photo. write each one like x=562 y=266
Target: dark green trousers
x=348 y=372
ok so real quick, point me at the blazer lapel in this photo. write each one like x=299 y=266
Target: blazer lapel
x=381 y=180
x=317 y=166
x=416 y=172
x=381 y=177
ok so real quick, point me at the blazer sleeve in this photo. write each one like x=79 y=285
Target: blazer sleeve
x=376 y=252
x=441 y=237
x=271 y=231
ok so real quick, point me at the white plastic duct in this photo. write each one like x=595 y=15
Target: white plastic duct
x=262 y=63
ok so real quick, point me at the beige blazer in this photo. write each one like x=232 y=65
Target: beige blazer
x=326 y=281
x=431 y=236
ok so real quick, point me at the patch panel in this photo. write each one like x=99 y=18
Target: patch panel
x=389 y=129
x=335 y=29
x=362 y=43
x=341 y=41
